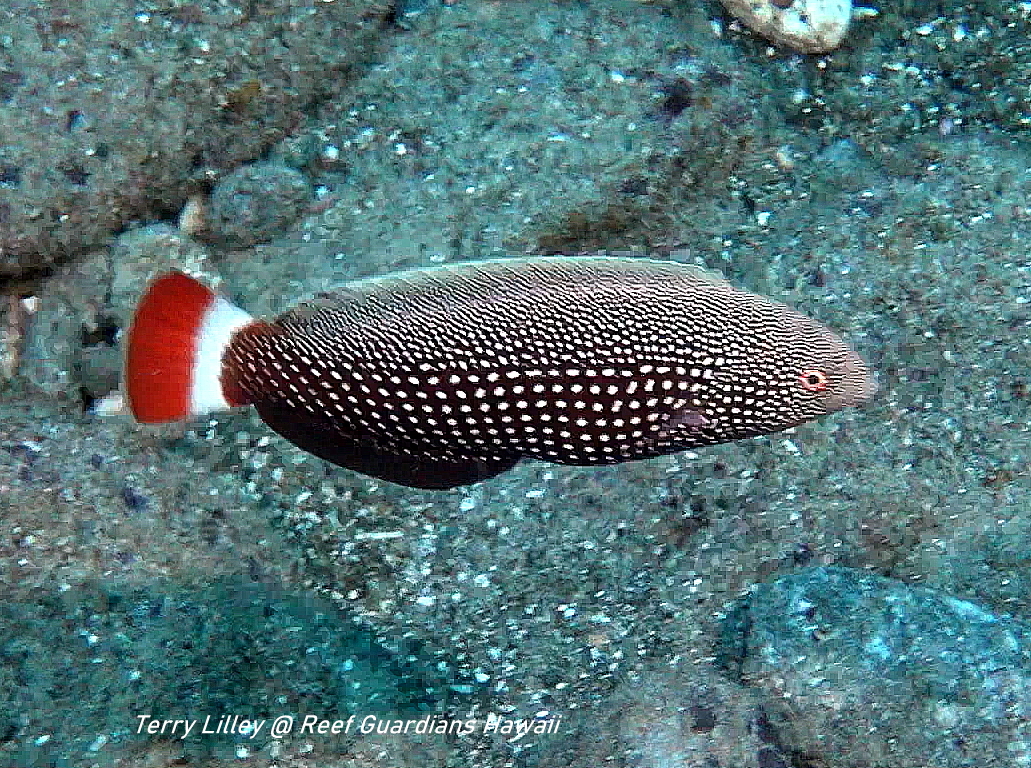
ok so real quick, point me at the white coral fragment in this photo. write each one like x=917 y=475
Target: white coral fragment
x=808 y=26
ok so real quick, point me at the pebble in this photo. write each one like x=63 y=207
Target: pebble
x=257 y=202
x=806 y=26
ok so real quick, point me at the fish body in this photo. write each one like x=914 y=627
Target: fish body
x=443 y=377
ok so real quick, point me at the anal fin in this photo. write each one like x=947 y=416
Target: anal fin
x=316 y=435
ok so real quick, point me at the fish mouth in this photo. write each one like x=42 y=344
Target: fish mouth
x=858 y=382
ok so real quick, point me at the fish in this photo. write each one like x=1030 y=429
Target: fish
x=442 y=377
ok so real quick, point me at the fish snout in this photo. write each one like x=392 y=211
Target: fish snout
x=858 y=383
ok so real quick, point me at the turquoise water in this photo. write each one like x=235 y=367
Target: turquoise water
x=212 y=573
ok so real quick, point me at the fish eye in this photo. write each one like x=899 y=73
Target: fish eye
x=813 y=380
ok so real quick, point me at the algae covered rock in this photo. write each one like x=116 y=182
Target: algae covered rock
x=114 y=111
x=868 y=671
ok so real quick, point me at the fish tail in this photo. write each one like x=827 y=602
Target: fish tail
x=173 y=362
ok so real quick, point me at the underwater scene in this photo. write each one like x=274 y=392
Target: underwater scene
x=485 y=383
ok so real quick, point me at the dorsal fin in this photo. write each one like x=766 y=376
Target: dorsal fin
x=442 y=287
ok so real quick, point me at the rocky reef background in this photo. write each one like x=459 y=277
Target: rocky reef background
x=282 y=148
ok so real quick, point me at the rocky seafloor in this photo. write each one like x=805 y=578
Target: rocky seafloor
x=851 y=593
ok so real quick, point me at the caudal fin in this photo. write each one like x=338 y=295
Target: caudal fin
x=173 y=362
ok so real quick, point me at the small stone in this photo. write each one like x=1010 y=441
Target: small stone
x=193 y=219
x=257 y=202
x=807 y=26
x=134 y=500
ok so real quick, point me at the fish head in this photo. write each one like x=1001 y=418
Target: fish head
x=812 y=372
x=787 y=372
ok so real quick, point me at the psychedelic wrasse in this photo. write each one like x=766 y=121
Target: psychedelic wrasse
x=441 y=377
